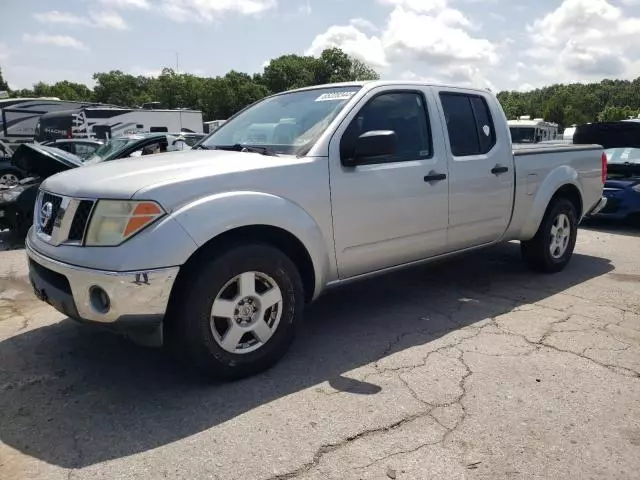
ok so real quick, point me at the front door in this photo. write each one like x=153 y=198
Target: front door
x=392 y=210
x=481 y=171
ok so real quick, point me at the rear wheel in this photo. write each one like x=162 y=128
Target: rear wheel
x=238 y=315
x=551 y=248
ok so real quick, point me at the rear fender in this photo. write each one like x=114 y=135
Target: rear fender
x=557 y=178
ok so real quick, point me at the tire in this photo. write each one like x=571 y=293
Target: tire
x=9 y=177
x=201 y=336
x=537 y=252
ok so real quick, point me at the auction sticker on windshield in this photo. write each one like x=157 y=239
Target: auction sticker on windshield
x=335 y=96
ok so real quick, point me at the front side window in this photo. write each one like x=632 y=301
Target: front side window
x=469 y=124
x=287 y=123
x=401 y=112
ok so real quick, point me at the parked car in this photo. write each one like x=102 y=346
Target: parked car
x=137 y=145
x=622 y=187
x=189 y=138
x=621 y=141
x=217 y=250
x=9 y=175
x=38 y=162
x=82 y=148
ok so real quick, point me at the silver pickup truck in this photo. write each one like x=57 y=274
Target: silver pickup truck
x=216 y=250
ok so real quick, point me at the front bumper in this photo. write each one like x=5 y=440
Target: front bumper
x=136 y=299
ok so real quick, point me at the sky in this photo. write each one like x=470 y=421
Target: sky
x=499 y=44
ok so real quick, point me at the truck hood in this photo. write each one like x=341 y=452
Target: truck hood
x=123 y=178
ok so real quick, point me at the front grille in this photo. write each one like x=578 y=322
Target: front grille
x=55 y=201
x=62 y=220
x=80 y=220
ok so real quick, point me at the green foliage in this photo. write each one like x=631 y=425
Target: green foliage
x=4 y=86
x=218 y=97
x=576 y=103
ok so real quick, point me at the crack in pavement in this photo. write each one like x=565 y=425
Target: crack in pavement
x=330 y=447
x=540 y=346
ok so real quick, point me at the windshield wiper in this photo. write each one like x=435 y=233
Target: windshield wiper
x=246 y=148
x=200 y=147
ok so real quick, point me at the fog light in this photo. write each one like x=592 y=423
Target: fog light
x=99 y=299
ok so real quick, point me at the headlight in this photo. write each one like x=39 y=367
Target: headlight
x=114 y=221
x=636 y=188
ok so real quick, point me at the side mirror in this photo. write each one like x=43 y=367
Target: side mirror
x=137 y=153
x=371 y=144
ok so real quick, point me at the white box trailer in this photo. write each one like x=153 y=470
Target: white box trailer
x=19 y=116
x=108 y=122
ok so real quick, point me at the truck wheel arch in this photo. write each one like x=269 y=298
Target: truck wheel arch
x=562 y=182
x=260 y=217
x=571 y=193
x=277 y=237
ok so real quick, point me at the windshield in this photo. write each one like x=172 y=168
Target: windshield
x=286 y=123
x=623 y=155
x=108 y=149
x=522 y=134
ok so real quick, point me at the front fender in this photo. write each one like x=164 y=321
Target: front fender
x=211 y=216
x=556 y=179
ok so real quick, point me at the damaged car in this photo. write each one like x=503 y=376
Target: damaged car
x=621 y=143
x=36 y=162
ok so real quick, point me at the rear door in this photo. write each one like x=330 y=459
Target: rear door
x=392 y=210
x=480 y=169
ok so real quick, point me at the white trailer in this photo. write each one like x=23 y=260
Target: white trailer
x=108 y=122
x=19 y=116
x=526 y=130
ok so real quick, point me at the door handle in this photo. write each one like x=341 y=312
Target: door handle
x=435 y=177
x=497 y=170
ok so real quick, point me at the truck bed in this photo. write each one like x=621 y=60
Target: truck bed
x=520 y=149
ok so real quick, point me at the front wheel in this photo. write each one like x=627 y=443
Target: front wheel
x=238 y=314
x=551 y=248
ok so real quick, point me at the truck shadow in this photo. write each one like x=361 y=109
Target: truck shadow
x=74 y=397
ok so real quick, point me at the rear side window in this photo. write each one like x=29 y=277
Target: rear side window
x=486 y=132
x=469 y=124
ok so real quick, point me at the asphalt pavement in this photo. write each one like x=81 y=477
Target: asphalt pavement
x=473 y=368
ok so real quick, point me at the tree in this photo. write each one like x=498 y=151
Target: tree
x=3 y=83
x=290 y=71
x=361 y=71
x=118 y=88
x=612 y=114
x=553 y=111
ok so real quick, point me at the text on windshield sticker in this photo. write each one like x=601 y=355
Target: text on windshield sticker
x=325 y=97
